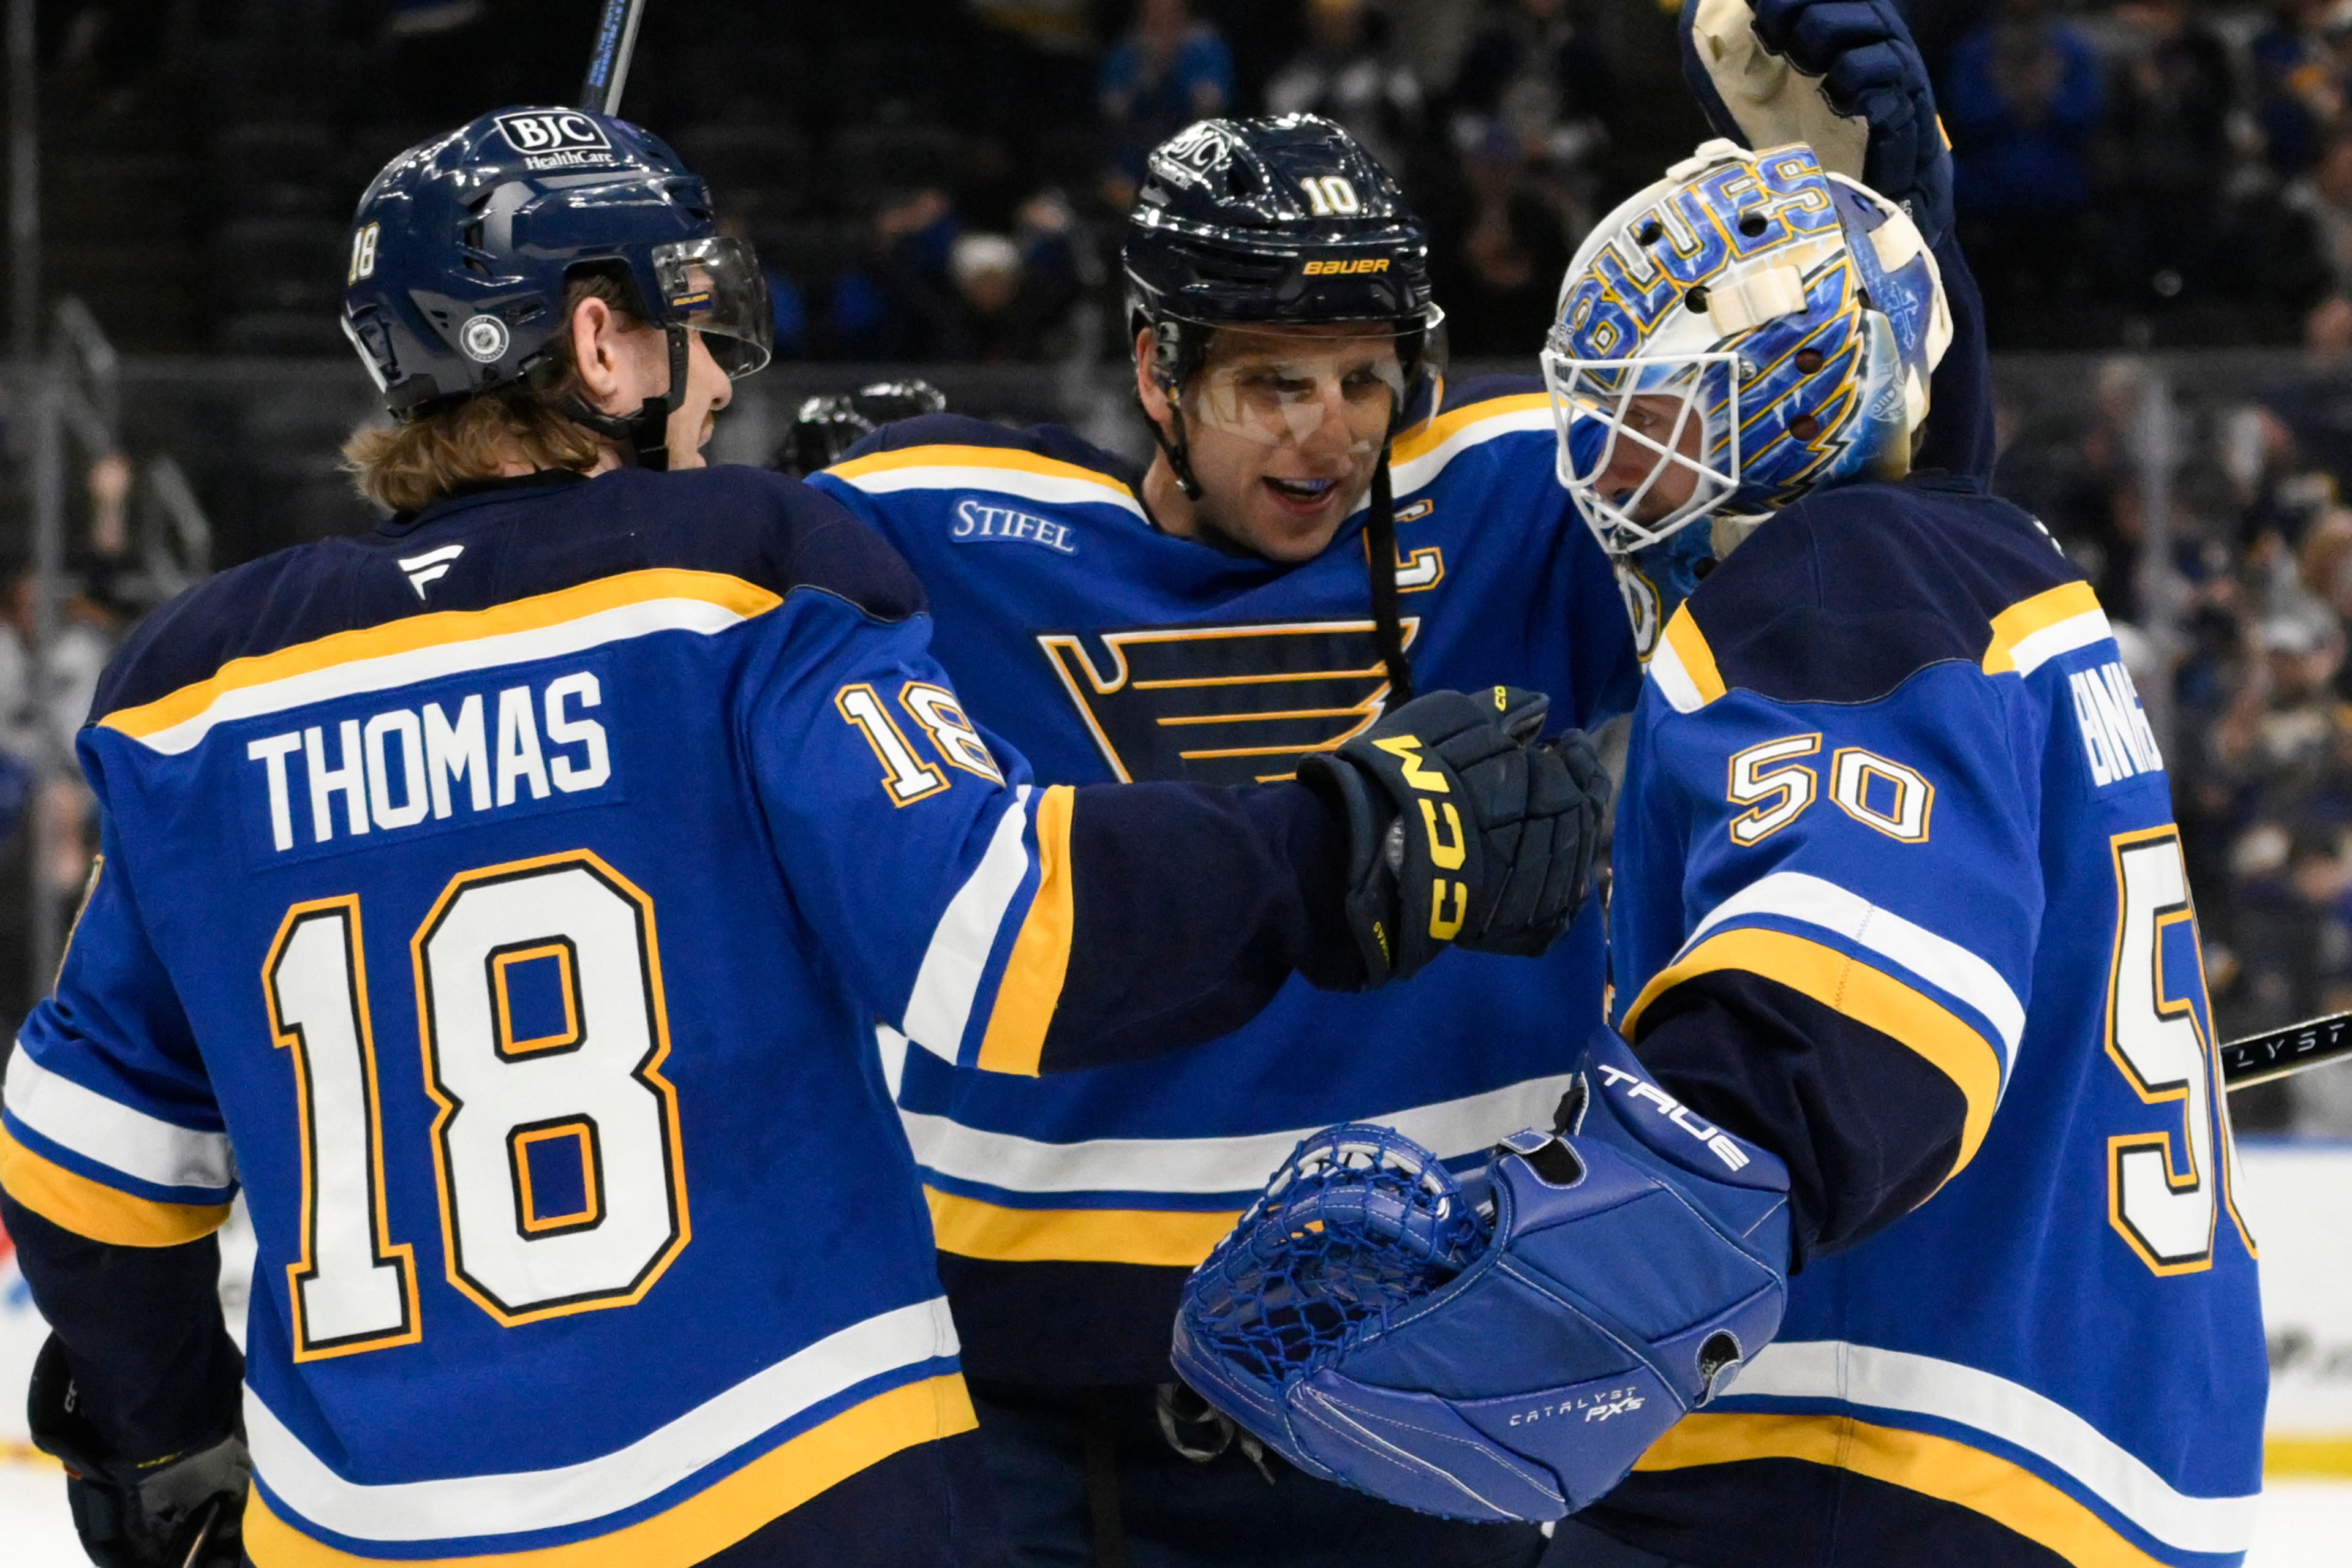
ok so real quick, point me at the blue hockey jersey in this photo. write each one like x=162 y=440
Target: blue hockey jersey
x=504 y=901
x=1071 y=1211
x=1898 y=893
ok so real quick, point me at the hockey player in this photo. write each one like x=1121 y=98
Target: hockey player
x=1205 y=617
x=1901 y=934
x=504 y=901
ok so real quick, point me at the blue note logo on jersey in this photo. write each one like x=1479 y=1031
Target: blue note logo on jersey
x=1223 y=704
x=979 y=522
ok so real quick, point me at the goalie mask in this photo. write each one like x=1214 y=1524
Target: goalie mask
x=1746 y=331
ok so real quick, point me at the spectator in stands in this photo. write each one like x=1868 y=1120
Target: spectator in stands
x=2297 y=94
x=1532 y=69
x=2168 y=156
x=1016 y=293
x=2021 y=100
x=2323 y=196
x=1532 y=64
x=1500 y=251
x=1348 y=73
x=2284 y=751
x=897 y=302
x=1167 y=72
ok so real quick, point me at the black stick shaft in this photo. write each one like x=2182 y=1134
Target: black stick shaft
x=608 y=67
x=2259 y=1058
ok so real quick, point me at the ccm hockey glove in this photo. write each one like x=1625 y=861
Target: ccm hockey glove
x=182 y=1510
x=1461 y=832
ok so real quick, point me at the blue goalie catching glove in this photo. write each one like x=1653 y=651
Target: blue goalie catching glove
x=1503 y=1346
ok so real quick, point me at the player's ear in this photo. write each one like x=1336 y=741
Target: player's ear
x=1148 y=389
x=597 y=353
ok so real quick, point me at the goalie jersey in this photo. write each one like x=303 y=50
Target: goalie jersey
x=1899 y=894
x=1070 y=1212
x=504 y=901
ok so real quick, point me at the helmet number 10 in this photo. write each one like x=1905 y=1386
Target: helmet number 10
x=1330 y=195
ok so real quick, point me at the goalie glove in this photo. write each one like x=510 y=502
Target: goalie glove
x=1843 y=75
x=182 y=1510
x=1460 y=832
x=1504 y=1347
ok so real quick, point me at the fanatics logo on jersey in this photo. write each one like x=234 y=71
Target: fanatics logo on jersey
x=556 y=139
x=979 y=522
x=431 y=567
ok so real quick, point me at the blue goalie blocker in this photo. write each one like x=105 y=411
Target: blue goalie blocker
x=1506 y=1345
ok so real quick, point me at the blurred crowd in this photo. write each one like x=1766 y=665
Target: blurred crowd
x=942 y=181
x=2206 y=499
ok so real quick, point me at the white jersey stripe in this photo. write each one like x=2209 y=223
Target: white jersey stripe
x=1202 y=1166
x=1937 y=960
x=2034 y=651
x=411 y=667
x=116 y=1135
x=1418 y=473
x=461 y=1506
x=1052 y=490
x=1673 y=682
x=939 y=1007
x=1948 y=1390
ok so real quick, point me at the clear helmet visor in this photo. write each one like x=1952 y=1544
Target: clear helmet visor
x=1340 y=387
x=1647 y=445
x=715 y=286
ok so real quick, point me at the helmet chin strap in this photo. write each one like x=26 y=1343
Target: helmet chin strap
x=1381 y=557
x=643 y=437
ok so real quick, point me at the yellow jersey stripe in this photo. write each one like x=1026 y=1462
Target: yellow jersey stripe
x=1681 y=634
x=101 y=1213
x=1032 y=986
x=1431 y=434
x=443 y=627
x=705 y=1523
x=1935 y=1467
x=951 y=456
x=1870 y=996
x=2027 y=616
x=2330 y=1457
x=1169 y=1238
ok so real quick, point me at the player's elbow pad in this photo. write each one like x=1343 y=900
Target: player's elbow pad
x=1506 y=1347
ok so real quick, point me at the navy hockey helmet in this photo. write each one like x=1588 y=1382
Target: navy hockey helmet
x=1284 y=222
x=1274 y=223
x=462 y=248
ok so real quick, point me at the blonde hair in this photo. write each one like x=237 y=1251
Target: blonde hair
x=408 y=467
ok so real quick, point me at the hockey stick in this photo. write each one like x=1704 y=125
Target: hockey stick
x=2258 y=1058
x=608 y=67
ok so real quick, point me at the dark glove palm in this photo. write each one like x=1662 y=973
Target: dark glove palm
x=1460 y=832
